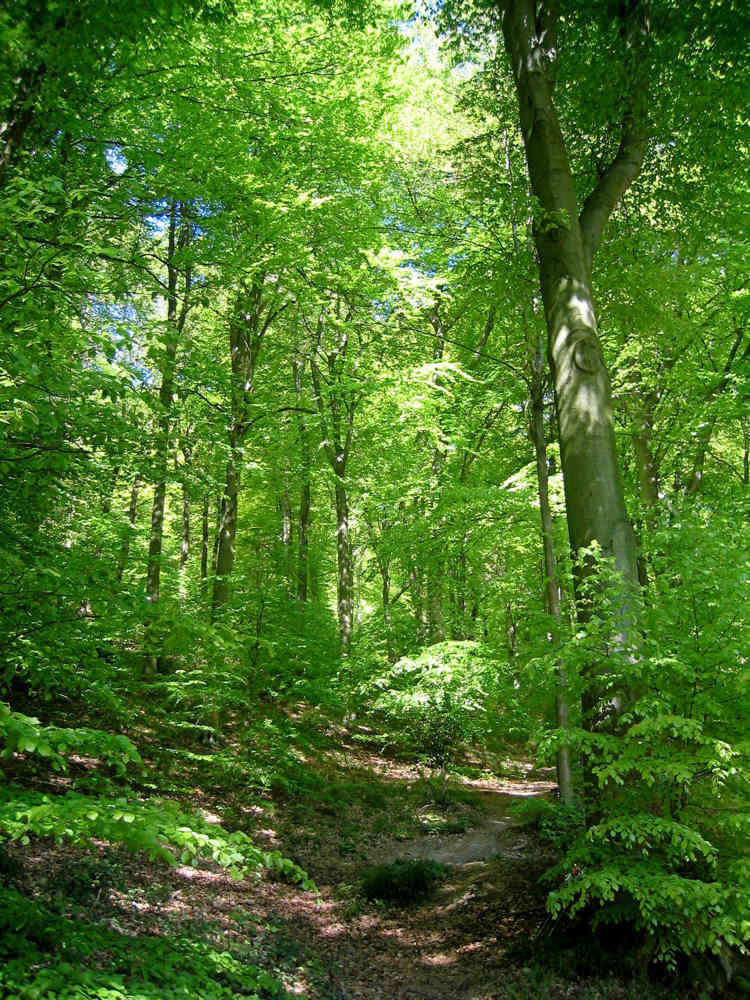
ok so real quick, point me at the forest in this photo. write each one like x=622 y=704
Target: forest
x=374 y=499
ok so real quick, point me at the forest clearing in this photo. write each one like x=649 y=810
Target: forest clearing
x=374 y=499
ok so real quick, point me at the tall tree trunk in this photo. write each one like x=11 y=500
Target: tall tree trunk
x=435 y=566
x=303 y=544
x=176 y=316
x=227 y=531
x=132 y=514
x=648 y=469
x=287 y=537
x=204 y=542
x=246 y=331
x=345 y=575
x=384 y=565
x=304 y=498
x=217 y=534
x=336 y=409
x=706 y=429
x=551 y=583
x=187 y=451
x=565 y=245
x=184 y=543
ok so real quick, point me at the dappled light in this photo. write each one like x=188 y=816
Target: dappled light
x=374 y=477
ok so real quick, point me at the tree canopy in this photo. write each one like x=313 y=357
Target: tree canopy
x=392 y=363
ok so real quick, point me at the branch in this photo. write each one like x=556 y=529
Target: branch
x=625 y=167
x=612 y=185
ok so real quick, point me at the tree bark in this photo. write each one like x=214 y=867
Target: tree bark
x=565 y=245
x=287 y=535
x=304 y=499
x=184 y=542
x=345 y=579
x=648 y=469
x=247 y=329
x=204 y=542
x=132 y=514
x=19 y=115
x=706 y=429
x=336 y=410
x=551 y=583
x=176 y=316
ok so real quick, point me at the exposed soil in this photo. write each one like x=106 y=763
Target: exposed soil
x=458 y=943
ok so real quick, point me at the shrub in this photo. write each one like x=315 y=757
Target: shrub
x=402 y=881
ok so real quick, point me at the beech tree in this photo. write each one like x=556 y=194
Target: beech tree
x=285 y=285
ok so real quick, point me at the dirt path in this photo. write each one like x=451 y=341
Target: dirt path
x=488 y=839
x=454 y=945
x=333 y=946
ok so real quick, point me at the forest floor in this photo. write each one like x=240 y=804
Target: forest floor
x=341 y=808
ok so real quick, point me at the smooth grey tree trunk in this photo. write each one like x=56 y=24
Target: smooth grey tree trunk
x=204 y=542
x=345 y=580
x=706 y=429
x=566 y=243
x=303 y=522
x=132 y=514
x=303 y=544
x=184 y=543
x=287 y=538
x=336 y=408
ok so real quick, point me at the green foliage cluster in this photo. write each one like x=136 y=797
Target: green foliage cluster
x=23 y=734
x=438 y=700
x=185 y=181
x=667 y=851
x=157 y=826
x=160 y=828
x=47 y=955
x=403 y=881
x=557 y=824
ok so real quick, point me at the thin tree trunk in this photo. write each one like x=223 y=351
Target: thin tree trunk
x=435 y=567
x=303 y=545
x=132 y=514
x=19 y=116
x=175 y=323
x=246 y=332
x=285 y=509
x=385 y=576
x=706 y=429
x=217 y=534
x=204 y=542
x=337 y=438
x=227 y=533
x=304 y=500
x=551 y=584
x=184 y=543
x=345 y=575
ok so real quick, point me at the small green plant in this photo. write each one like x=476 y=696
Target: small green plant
x=45 y=953
x=556 y=823
x=89 y=878
x=402 y=882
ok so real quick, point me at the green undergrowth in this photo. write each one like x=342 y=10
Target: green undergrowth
x=46 y=954
x=556 y=824
x=403 y=881
x=106 y=808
